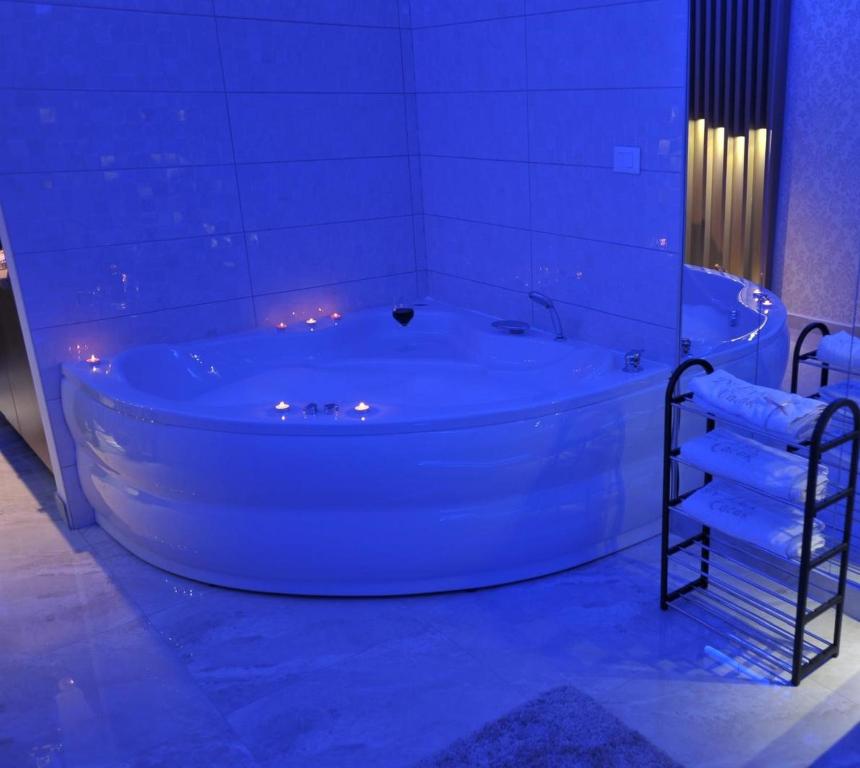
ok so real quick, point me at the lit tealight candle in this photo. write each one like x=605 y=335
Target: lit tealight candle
x=335 y=316
x=93 y=360
x=281 y=326
x=311 y=322
x=362 y=407
x=282 y=406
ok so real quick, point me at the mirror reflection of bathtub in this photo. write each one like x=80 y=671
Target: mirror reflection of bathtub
x=483 y=457
x=735 y=325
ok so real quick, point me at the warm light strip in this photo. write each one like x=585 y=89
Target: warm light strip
x=725 y=198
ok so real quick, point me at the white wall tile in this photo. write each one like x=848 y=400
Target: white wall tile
x=52 y=211
x=637 y=283
x=271 y=56
x=297 y=193
x=364 y=12
x=292 y=306
x=482 y=125
x=467 y=57
x=303 y=126
x=94 y=130
x=300 y=257
x=426 y=12
x=490 y=254
x=107 y=281
x=613 y=46
x=491 y=299
x=491 y=191
x=642 y=210
x=583 y=127
x=72 y=47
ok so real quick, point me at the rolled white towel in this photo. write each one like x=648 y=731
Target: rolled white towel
x=841 y=350
x=748 y=461
x=745 y=515
x=790 y=416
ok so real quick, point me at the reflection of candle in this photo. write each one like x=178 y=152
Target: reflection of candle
x=93 y=360
x=281 y=326
x=282 y=406
x=335 y=316
x=362 y=407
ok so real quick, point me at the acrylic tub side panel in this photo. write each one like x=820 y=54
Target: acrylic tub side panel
x=374 y=514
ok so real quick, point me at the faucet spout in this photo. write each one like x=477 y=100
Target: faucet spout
x=547 y=303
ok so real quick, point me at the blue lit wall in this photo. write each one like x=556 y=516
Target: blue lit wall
x=817 y=245
x=518 y=117
x=168 y=173
x=171 y=169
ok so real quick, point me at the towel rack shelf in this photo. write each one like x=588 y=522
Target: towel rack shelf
x=809 y=358
x=774 y=608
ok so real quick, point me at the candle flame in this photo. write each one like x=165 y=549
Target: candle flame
x=93 y=360
x=362 y=407
x=280 y=326
x=282 y=406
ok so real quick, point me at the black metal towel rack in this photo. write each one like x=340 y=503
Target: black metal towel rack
x=745 y=593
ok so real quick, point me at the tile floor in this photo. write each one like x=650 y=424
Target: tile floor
x=108 y=662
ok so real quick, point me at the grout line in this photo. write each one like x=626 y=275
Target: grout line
x=345 y=159
x=526 y=14
x=127 y=243
x=408 y=148
x=91 y=6
x=192 y=166
x=554 y=234
x=52 y=326
x=287 y=92
x=235 y=170
x=558 y=301
x=529 y=167
x=231 y=299
x=339 y=282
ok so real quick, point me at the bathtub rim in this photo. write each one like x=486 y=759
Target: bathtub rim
x=116 y=394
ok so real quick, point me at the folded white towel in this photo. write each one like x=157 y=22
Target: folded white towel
x=841 y=350
x=842 y=419
x=849 y=389
x=748 y=461
x=773 y=410
x=745 y=515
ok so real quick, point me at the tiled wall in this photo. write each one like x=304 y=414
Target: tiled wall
x=171 y=169
x=817 y=244
x=520 y=104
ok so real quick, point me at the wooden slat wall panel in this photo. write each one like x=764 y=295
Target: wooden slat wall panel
x=731 y=79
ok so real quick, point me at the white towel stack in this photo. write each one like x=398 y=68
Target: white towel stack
x=745 y=515
x=781 y=413
x=747 y=461
x=841 y=350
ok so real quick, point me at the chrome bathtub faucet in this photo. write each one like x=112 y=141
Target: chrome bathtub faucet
x=633 y=361
x=547 y=303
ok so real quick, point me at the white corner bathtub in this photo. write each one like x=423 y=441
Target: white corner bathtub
x=483 y=458
x=735 y=325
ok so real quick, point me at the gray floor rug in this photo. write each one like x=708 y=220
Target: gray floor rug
x=562 y=728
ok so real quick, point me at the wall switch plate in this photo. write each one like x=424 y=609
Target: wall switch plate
x=626 y=160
